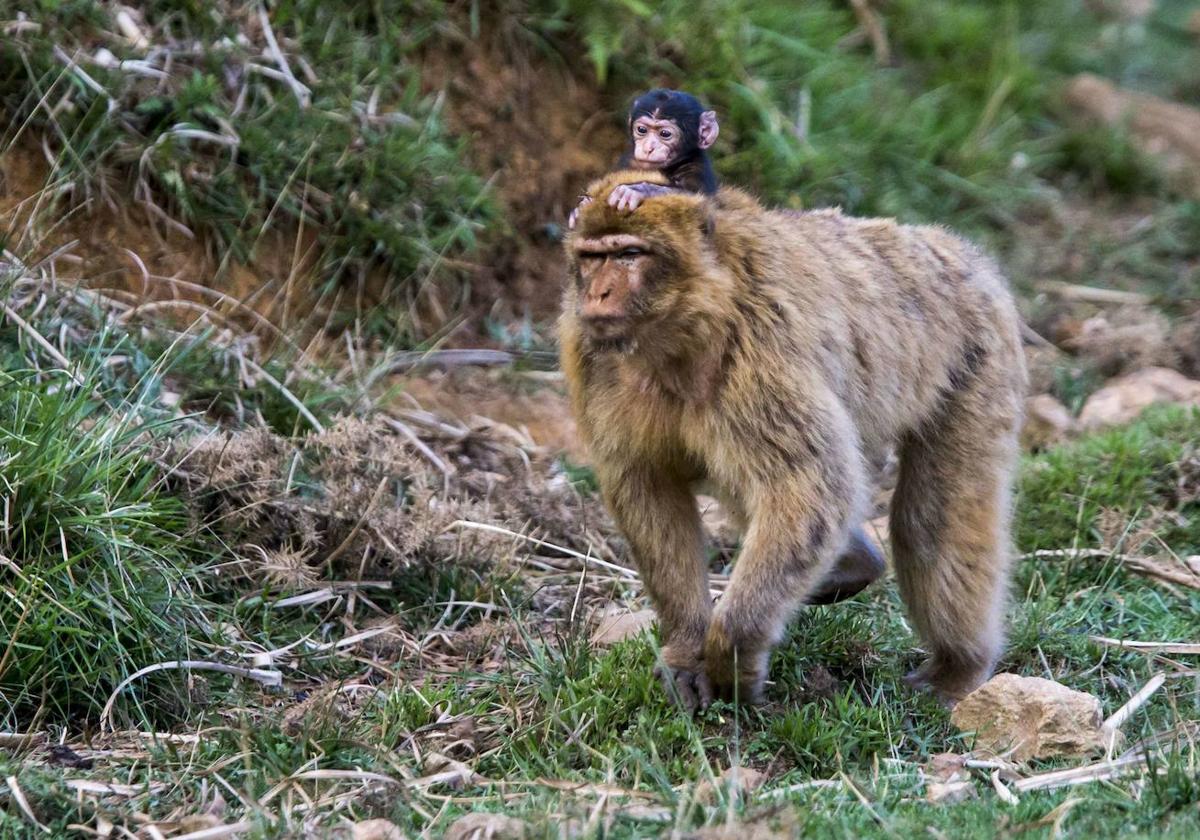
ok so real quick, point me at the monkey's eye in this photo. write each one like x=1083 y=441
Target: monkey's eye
x=641 y=129
x=631 y=253
x=665 y=134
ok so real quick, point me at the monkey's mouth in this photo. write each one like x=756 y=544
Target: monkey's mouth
x=651 y=161
x=610 y=331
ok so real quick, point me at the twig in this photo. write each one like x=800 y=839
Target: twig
x=1117 y=719
x=344 y=544
x=301 y=90
x=586 y=558
x=40 y=340
x=869 y=20
x=1149 y=647
x=1082 y=775
x=424 y=449
x=84 y=77
x=287 y=395
x=267 y=678
x=23 y=804
x=1090 y=294
x=216 y=832
x=20 y=740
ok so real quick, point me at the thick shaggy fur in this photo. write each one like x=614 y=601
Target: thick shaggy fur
x=773 y=355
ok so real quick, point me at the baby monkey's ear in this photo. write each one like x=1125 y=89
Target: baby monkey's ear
x=708 y=130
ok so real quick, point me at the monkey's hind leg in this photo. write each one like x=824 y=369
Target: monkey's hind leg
x=950 y=539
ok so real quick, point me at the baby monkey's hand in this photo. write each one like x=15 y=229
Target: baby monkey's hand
x=627 y=197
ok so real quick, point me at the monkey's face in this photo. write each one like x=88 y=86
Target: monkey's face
x=656 y=142
x=612 y=275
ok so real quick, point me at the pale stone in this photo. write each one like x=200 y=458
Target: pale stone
x=1124 y=398
x=620 y=626
x=1030 y=717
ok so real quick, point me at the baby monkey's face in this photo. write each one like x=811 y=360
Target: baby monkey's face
x=656 y=142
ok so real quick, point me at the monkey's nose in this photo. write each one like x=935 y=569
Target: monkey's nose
x=601 y=303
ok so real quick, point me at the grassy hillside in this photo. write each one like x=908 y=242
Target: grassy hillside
x=245 y=582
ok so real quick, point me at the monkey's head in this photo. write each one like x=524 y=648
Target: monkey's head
x=632 y=273
x=667 y=127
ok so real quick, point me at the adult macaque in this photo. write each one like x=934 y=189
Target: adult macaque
x=774 y=355
x=669 y=132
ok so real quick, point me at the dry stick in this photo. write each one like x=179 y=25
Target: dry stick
x=1143 y=565
x=287 y=395
x=1100 y=771
x=267 y=678
x=40 y=340
x=1090 y=294
x=1149 y=647
x=23 y=804
x=337 y=552
x=217 y=832
x=495 y=529
x=869 y=20
x=424 y=449
x=301 y=91
x=1117 y=719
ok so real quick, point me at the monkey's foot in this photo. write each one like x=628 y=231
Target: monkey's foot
x=858 y=566
x=734 y=675
x=948 y=684
x=689 y=690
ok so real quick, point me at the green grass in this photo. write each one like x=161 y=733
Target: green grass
x=102 y=571
x=559 y=710
x=228 y=152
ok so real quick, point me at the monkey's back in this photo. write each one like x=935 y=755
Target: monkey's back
x=899 y=316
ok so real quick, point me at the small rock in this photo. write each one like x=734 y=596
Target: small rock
x=1030 y=717
x=945 y=767
x=733 y=780
x=947 y=780
x=950 y=793
x=377 y=830
x=1047 y=422
x=481 y=826
x=1124 y=398
x=621 y=626
x=1166 y=130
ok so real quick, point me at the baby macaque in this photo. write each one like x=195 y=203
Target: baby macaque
x=670 y=132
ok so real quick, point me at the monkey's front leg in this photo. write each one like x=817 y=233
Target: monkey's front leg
x=793 y=541
x=658 y=516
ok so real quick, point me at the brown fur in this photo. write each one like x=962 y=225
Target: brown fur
x=775 y=355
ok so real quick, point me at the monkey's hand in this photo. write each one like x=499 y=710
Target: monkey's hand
x=627 y=197
x=733 y=672
x=573 y=219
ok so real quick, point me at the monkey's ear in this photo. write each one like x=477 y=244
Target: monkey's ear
x=708 y=129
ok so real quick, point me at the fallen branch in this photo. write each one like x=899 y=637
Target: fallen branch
x=1091 y=294
x=1101 y=771
x=1117 y=719
x=1179 y=575
x=267 y=678
x=1186 y=648
x=871 y=23
x=299 y=89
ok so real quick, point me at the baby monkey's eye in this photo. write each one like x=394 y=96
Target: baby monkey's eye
x=665 y=134
x=641 y=129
